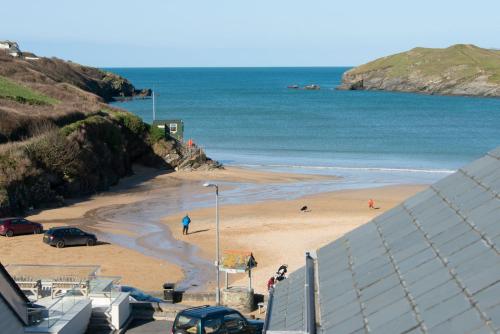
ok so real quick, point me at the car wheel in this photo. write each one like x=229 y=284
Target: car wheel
x=60 y=244
x=9 y=233
x=90 y=242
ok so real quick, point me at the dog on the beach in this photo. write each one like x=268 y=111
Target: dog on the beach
x=304 y=209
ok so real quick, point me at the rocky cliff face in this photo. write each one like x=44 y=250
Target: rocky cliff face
x=85 y=157
x=457 y=70
x=55 y=71
x=59 y=139
x=181 y=157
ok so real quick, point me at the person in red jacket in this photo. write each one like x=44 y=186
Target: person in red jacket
x=270 y=283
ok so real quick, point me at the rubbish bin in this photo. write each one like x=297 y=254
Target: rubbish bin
x=168 y=292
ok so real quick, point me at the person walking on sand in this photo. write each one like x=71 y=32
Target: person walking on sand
x=185 y=224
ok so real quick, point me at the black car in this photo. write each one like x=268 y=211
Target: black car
x=214 y=320
x=68 y=236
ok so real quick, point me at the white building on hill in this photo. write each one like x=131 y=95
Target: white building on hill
x=11 y=48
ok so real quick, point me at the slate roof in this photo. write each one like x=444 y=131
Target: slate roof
x=430 y=265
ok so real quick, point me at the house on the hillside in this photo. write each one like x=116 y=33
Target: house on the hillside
x=11 y=48
x=172 y=127
x=429 y=265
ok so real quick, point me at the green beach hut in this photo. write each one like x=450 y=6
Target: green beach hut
x=173 y=128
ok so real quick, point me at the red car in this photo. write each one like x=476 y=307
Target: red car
x=11 y=226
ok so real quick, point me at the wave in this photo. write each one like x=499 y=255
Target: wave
x=365 y=169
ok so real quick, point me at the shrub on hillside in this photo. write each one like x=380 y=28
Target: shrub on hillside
x=155 y=134
x=15 y=164
x=98 y=129
x=21 y=182
x=57 y=155
x=129 y=121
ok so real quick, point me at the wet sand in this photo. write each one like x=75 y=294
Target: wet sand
x=141 y=220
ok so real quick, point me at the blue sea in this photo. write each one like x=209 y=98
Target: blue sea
x=248 y=117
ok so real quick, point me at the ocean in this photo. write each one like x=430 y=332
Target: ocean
x=248 y=117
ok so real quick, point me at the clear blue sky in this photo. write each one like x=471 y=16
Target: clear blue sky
x=244 y=33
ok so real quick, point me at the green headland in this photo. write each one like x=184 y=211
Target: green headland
x=457 y=70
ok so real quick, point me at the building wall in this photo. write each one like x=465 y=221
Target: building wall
x=120 y=310
x=77 y=319
x=165 y=125
x=8 y=321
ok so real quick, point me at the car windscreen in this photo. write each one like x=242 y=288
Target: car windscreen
x=186 y=324
x=53 y=232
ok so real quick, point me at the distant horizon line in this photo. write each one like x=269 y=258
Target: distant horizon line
x=204 y=67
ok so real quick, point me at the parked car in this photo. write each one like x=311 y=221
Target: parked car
x=214 y=320
x=68 y=236
x=14 y=226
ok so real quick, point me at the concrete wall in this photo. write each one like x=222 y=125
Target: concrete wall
x=120 y=310
x=239 y=298
x=8 y=321
x=76 y=320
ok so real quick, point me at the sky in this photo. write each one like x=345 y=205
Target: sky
x=200 y=33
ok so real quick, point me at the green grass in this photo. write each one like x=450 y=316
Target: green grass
x=13 y=91
x=459 y=62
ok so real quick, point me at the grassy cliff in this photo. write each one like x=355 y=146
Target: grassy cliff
x=59 y=138
x=456 y=70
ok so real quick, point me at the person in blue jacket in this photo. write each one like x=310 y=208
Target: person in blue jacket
x=185 y=224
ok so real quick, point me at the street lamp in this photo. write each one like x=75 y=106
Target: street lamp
x=217 y=256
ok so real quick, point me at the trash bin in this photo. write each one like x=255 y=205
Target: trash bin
x=168 y=292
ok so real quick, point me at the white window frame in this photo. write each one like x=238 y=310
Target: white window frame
x=173 y=127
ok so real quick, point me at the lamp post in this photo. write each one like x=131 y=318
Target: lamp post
x=217 y=256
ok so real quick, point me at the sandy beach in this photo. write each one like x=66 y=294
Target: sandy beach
x=277 y=232
x=140 y=219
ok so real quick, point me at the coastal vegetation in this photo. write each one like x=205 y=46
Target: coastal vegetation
x=457 y=70
x=18 y=93
x=59 y=138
